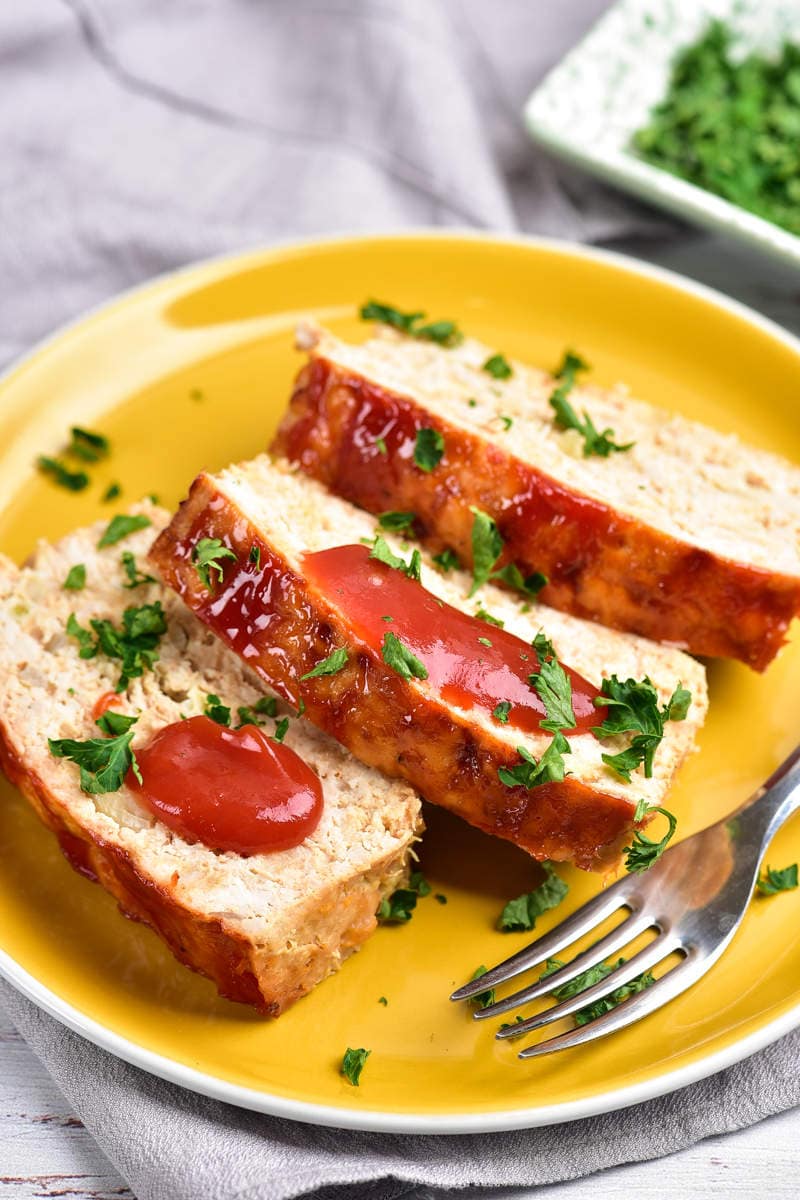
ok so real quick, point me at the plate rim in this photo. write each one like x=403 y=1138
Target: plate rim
x=308 y=1112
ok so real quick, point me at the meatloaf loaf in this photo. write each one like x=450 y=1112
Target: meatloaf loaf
x=265 y=928
x=265 y=600
x=687 y=536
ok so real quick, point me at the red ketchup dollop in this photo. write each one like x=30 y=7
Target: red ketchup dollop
x=231 y=789
x=461 y=668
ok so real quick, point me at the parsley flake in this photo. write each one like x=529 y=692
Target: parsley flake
x=121 y=526
x=552 y=685
x=521 y=913
x=594 y=442
x=396 y=520
x=381 y=444
x=208 y=556
x=501 y=711
x=335 y=661
x=776 y=880
x=89 y=446
x=353 y=1064
x=428 y=449
x=397 y=908
x=633 y=708
x=103 y=762
x=448 y=560
x=445 y=333
x=483 y=999
x=112 y=491
x=216 y=710
x=483 y=615
x=73 y=481
x=76 y=578
x=135 y=577
x=487 y=546
x=383 y=553
x=135 y=644
x=266 y=706
x=643 y=851
x=400 y=659
x=532 y=772
x=281 y=729
x=255 y=556
x=498 y=367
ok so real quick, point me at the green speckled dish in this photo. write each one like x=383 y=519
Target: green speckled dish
x=590 y=105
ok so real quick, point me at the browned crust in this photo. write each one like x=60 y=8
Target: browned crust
x=270 y=983
x=602 y=565
x=368 y=707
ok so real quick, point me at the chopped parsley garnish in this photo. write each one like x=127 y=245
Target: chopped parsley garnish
x=483 y=615
x=281 y=729
x=521 y=913
x=730 y=123
x=76 y=578
x=135 y=644
x=501 y=711
x=397 y=908
x=267 y=706
x=382 y=1000
x=73 y=481
x=428 y=449
x=498 y=367
x=588 y=979
x=335 y=661
x=778 y=880
x=135 y=577
x=445 y=333
x=483 y=999
x=531 y=584
x=112 y=491
x=121 y=526
x=439 y=898
x=487 y=546
x=400 y=659
x=506 y=422
x=448 y=560
x=255 y=557
x=207 y=556
x=353 y=1064
x=633 y=707
x=643 y=851
x=552 y=685
x=543 y=646
x=396 y=520
x=594 y=442
x=381 y=444
x=91 y=447
x=103 y=762
x=216 y=710
x=484 y=641
x=531 y=773
x=383 y=553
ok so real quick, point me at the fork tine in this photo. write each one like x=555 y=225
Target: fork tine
x=582 y=921
x=658 y=949
x=670 y=985
x=623 y=933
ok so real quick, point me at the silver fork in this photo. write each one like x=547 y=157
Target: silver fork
x=695 y=897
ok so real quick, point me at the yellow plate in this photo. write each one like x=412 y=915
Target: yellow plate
x=193 y=371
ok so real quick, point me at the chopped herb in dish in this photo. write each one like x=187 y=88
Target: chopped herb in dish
x=483 y=999
x=633 y=707
x=381 y=444
x=428 y=449
x=521 y=914
x=506 y=422
x=552 y=685
x=255 y=557
x=483 y=615
x=208 y=555
x=398 y=656
x=397 y=908
x=76 y=578
x=382 y=1000
x=353 y=1064
x=281 y=729
x=588 y=979
x=73 y=481
x=103 y=762
x=396 y=520
x=531 y=584
x=89 y=446
x=135 y=644
x=383 y=553
x=501 y=711
x=135 y=577
x=498 y=367
x=594 y=442
x=776 y=880
x=531 y=772
x=112 y=492
x=122 y=526
x=445 y=333
x=487 y=546
x=644 y=851
x=448 y=560
x=267 y=706
x=335 y=661
x=216 y=710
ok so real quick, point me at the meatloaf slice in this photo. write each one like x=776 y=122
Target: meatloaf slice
x=688 y=537
x=265 y=605
x=265 y=928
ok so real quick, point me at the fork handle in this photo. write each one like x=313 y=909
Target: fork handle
x=760 y=817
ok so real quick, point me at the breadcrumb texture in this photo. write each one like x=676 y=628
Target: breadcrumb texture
x=689 y=537
x=283 y=626
x=265 y=928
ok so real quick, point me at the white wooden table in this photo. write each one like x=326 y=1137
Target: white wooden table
x=45 y=1151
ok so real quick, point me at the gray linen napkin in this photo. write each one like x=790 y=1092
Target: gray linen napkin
x=138 y=136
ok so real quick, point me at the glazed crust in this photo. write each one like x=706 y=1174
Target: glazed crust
x=369 y=708
x=601 y=564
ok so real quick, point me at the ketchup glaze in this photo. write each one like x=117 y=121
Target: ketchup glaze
x=231 y=789
x=470 y=663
